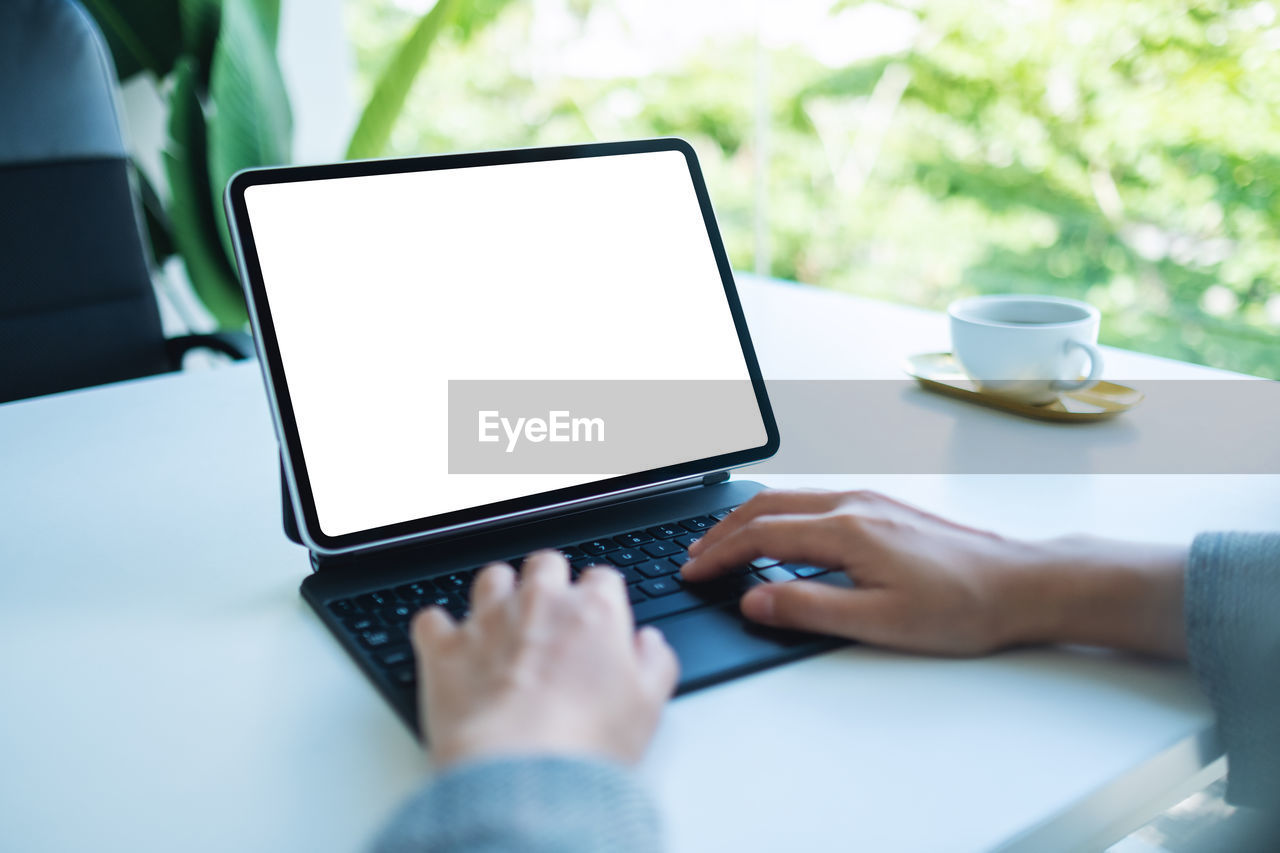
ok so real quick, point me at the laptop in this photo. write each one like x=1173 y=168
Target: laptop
x=474 y=356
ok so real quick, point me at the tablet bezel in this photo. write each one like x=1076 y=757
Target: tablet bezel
x=468 y=518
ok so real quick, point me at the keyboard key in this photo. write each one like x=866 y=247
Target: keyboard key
x=722 y=514
x=404 y=676
x=698 y=523
x=635 y=595
x=656 y=568
x=763 y=562
x=678 y=560
x=805 y=571
x=776 y=574
x=665 y=531
x=647 y=611
x=376 y=639
x=416 y=591
x=658 y=587
x=342 y=607
x=660 y=549
x=580 y=566
x=456 y=582
x=373 y=600
x=571 y=552
x=629 y=573
x=451 y=602
x=839 y=579
x=398 y=613
x=630 y=540
x=360 y=624
x=686 y=541
x=626 y=557
x=597 y=547
x=396 y=657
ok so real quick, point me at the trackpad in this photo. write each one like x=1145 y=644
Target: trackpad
x=717 y=644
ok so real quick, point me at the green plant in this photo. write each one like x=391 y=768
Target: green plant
x=229 y=110
x=391 y=90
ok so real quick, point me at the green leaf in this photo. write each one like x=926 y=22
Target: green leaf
x=191 y=209
x=472 y=17
x=200 y=22
x=250 y=122
x=269 y=16
x=392 y=88
x=143 y=35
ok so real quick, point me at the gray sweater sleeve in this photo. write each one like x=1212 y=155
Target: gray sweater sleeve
x=531 y=804
x=1233 y=642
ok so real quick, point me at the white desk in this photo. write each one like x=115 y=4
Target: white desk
x=166 y=688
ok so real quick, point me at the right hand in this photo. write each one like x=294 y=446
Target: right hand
x=922 y=583
x=926 y=584
x=542 y=666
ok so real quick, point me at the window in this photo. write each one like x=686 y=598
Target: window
x=1127 y=153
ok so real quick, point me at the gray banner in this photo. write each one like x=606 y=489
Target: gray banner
x=596 y=426
x=854 y=427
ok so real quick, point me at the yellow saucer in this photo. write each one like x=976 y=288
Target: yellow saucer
x=938 y=371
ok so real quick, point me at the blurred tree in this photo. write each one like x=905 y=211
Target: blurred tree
x=1140 y=135
x=1122 y=151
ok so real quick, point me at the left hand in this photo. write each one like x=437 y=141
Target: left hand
x=541 y=666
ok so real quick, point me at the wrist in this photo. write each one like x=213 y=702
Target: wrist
x=1091 y=591
x=547 y=731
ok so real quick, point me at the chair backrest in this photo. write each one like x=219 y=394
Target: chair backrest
x=76 y=302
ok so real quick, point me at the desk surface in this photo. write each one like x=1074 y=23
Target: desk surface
x=166 y=688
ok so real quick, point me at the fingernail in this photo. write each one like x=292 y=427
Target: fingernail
x=757 y=605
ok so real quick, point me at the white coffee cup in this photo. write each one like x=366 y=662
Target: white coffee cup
x=1031 y=348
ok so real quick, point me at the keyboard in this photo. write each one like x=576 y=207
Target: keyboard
x=649 y=560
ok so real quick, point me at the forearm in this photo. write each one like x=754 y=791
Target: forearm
x=527 y=804
x=1100 y=592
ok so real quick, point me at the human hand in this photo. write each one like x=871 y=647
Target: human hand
x=539 y=666
x=926 y=584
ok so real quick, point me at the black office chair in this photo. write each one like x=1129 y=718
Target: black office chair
x=76 y=302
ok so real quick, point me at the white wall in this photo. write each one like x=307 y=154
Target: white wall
x=318 y=69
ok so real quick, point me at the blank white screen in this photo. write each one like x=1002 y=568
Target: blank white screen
x=383 y=288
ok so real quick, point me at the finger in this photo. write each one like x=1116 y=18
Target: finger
x=604 y=590
x=608 y=582
x=872 y=502
x=544 y=570
x=774 y=502
x=492 y=586
x=857 y=614
x=813 y=539
x=429 y=629
x=659 y=667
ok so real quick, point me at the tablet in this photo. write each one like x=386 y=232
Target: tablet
x=430 y=328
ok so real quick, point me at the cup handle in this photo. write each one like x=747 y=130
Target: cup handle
x=1095 y=368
